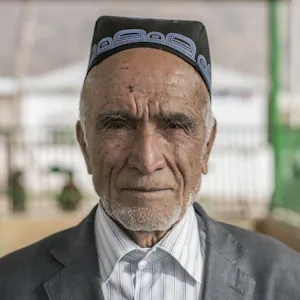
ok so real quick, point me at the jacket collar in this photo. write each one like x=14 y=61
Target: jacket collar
x=79 y=279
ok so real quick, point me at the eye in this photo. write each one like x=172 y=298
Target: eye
x=116 y=125
x=175 y=125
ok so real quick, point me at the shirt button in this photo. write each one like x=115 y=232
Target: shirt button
x=142 y=264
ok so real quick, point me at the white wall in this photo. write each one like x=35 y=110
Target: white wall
x=50 y=109
x=234 y=111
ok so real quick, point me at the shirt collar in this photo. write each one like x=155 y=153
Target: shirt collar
x=182 y=242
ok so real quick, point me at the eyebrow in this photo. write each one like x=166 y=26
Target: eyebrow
x=110 y=116
x=178 y=118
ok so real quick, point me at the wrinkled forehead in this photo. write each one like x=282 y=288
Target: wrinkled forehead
x=152 y=72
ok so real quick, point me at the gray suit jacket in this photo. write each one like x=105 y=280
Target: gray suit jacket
x=239 y=265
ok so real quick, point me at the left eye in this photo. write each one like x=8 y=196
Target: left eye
x=174 y=126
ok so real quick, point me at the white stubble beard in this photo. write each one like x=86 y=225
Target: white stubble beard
x=141 y=219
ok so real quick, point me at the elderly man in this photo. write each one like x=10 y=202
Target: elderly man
x=146 y=131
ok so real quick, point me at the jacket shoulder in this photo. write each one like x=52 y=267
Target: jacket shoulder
x=275 y=266
x=262 y=251
x=29 y=262
x=268 y=249
x=266 y=253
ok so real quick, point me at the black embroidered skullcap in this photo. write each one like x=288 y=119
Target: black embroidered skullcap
x=186 y=39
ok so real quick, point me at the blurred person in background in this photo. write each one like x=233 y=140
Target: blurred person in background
x=70 y=195
x=17 y=192
x=146 y=130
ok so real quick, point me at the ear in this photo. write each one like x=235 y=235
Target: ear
x=83 y=145
x=209 y=145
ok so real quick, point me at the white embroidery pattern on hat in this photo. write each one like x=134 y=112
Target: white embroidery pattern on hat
x=176 y=41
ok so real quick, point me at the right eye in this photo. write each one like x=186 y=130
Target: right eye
x=116 y=125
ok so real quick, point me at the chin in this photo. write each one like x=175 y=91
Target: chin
x=146 y=219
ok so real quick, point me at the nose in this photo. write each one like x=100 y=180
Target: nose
x=147 y=155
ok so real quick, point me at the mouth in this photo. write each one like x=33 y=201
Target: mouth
x=145 y=190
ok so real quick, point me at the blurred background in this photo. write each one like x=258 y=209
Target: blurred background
x=254 y=176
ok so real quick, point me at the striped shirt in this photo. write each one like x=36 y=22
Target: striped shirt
x=170 y=270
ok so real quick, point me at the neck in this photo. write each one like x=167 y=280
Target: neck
x=146 y=239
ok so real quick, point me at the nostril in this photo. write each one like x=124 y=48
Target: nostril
x=146 y=165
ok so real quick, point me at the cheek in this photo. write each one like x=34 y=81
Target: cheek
x=188 y=158
x=105 y=155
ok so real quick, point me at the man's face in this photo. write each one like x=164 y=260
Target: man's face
x=145 y=136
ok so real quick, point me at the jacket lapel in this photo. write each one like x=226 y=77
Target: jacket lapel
x=79 y=277
x=223 y=277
